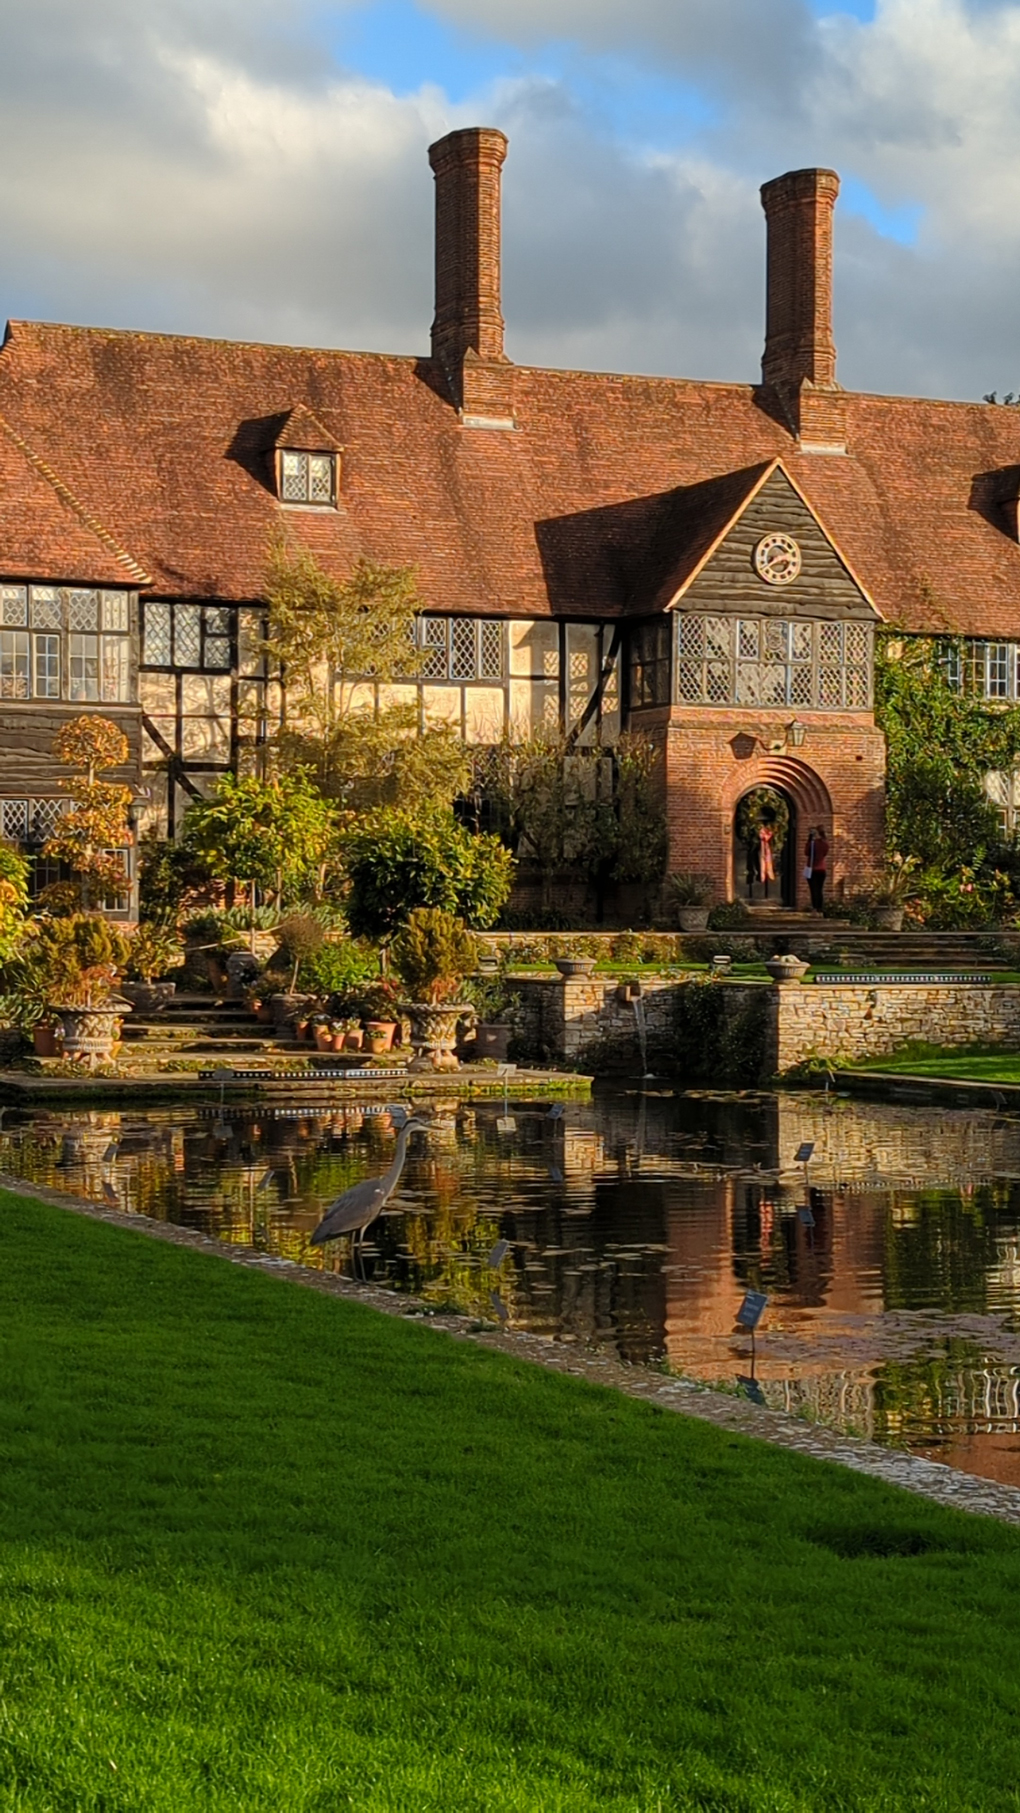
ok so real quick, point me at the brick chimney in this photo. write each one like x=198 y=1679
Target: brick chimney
x=467 y=333
x=799 y=364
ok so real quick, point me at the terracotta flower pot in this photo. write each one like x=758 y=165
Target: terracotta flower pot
x=339 y=1039
x=354 y=1039
x=381 y=1029
x=323 y=1038
x=45 y=1040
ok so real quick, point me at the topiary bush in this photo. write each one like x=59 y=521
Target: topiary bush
x=432 y=954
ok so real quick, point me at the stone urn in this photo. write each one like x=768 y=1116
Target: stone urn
x=787 y=969
x=242 y=968
x=434 y=1033
x=574 y=968
x=90 y=1033
x=692 y=918
x=889 y=919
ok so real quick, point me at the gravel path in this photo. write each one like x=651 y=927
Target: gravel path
x=944 y=1485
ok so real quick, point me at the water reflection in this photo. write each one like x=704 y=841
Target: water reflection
x=638 y=1221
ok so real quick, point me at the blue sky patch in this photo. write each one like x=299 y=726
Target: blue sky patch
x=902 y=223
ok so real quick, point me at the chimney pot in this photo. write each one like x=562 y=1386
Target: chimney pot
x=800 y=352
x=467 y=333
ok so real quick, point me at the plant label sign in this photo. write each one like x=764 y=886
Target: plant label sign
x=752 y=1309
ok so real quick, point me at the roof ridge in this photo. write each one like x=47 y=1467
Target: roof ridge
x=67 y=496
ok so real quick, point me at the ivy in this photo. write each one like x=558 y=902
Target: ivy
x=941 y=742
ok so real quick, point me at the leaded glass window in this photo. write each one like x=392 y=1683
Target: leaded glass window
x=115 y=611
x=116 y=678
x=157 y=648
x=14 y=664
x=14 y=820
x=82 y=610
x=490 y=664
x=773 y=662
x=461 y=648
x=187 y=635
x=47 y=613
x=307 y=478
x=13 y=605
x=84 y=668
x=47 y=667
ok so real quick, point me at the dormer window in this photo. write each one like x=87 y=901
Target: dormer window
x=307 y=478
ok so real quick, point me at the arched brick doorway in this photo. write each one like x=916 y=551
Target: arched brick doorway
x=809 y=804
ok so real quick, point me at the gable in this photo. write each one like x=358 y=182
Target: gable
x=729 y=581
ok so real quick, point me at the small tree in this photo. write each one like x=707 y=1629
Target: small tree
x=13 y=900
x=270 y=834
x=300 y=937
x=335 y=641
x=396 y=861
x=88 y=836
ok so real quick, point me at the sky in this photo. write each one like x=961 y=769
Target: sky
x=257 y=169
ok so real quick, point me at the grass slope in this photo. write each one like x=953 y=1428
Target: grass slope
x=261 y=1550
x=969 y=1063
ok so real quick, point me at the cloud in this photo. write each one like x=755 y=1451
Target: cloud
x=209 y=166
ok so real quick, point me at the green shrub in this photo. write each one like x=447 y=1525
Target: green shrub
x=728 y=916
x=396 y=862
x=339 y=967
x=432 y=954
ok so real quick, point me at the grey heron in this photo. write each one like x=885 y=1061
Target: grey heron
x=358 y=1207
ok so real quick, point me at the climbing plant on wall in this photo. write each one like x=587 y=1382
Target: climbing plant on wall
x=941 y=742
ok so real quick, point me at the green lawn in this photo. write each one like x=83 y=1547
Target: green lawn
x=266 y=1551
x=969 y=1063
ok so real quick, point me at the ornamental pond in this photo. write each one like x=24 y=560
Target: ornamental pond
x=636 y=1220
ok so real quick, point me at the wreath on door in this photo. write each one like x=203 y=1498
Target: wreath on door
x=764 y=806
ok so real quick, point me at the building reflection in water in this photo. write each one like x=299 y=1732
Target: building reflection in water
x=637 y=1222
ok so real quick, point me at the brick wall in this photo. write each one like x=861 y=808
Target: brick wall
x=837 y=778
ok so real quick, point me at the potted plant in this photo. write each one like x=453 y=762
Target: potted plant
x=322 y=1032
x=491 y=1001
x=889 y=897
x=378 y=1004
x=299 y=937
x=154 y=949
x=691 y=898
x=82 y=957
x=431 y=955
x=354 y=1035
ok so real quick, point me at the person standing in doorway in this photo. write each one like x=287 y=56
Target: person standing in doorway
x=817 y=861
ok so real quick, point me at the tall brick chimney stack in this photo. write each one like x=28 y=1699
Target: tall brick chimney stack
x=467 y=333
x=799 y=362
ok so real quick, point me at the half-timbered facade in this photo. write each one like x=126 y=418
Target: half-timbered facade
x=706 y=562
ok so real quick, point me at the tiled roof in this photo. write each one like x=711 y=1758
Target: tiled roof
x=161 y=448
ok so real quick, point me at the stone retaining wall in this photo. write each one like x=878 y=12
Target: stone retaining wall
x=571 y=1020
x=851 y=1020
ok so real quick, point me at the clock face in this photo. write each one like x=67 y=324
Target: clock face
x=777 y=559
